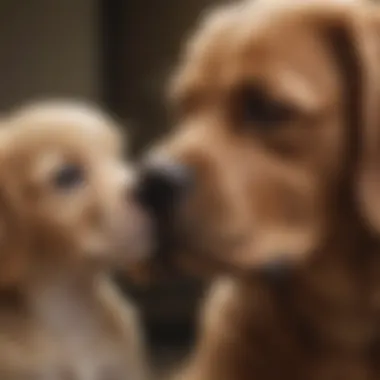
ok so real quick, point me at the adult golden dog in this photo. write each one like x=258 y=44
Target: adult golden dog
x=67 y=215
x=271 y=178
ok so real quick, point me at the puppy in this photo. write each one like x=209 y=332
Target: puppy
x=67 y=215
x=271 y=179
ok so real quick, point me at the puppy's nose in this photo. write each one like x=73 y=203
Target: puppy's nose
x=163 y=185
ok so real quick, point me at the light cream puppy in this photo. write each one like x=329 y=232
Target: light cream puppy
x=67 y=215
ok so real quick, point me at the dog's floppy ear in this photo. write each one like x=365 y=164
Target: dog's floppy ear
x=368 y=164
x=354 y=35
x=12 y=255
x=13 y=263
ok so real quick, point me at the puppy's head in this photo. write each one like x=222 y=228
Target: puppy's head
x=65 y=193
x=276 y=104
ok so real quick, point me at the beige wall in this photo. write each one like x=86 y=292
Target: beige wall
x=48 y=47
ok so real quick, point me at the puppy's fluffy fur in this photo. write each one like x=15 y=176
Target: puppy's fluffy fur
x=279 y=122
x=67 y=215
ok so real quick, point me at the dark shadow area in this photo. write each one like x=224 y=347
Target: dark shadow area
x=141 y=42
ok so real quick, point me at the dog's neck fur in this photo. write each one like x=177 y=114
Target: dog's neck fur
x=70 y=321
x=340 y=278
x=286 y=317
x=65 y=302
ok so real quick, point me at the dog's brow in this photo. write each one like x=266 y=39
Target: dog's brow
x=46 y=163
x=293 y=88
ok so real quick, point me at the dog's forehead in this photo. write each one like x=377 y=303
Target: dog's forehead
x=64 y=115
x=65 y=126
x=259 y=39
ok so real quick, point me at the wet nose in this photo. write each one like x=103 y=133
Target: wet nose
x=163 y=185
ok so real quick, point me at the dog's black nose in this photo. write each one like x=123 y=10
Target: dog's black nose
x=162 y=185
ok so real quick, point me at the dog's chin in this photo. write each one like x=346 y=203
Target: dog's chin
x=120 y=253
x=195 y=253
x=137 y=243
x=207 y=265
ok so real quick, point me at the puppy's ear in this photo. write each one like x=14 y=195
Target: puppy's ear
x=12 y=254
x=355 y=42
x=13 y=263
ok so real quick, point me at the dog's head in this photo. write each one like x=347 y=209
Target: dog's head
x=277 y=137
x=65 y=192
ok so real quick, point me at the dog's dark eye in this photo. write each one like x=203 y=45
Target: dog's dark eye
x=69 y=176
x=255 y=107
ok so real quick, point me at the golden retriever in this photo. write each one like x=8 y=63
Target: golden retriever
x=67 y=215
x=271 y=180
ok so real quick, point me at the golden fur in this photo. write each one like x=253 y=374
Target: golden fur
x=67 y=215
x=278 y=106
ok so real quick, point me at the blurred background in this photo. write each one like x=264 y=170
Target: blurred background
x=117 y=53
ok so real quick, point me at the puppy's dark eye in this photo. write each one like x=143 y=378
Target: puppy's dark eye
x=255 y=107
x=69 y=176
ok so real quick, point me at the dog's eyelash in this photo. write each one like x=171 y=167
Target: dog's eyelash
x=69 y=176
x=254 y=107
